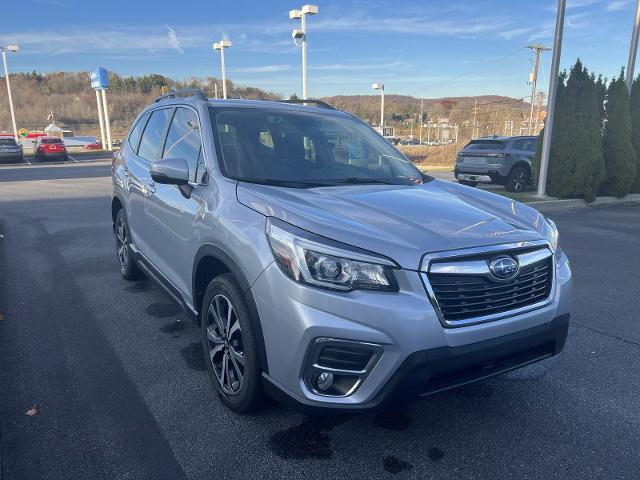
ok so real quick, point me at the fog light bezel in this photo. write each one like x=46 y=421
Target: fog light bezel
x=350 y=380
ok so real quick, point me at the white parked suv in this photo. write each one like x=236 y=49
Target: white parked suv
x=323 y=268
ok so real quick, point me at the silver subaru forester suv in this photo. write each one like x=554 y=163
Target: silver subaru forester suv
x=323 y=268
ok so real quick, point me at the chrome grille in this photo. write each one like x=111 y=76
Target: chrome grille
x=464 y=289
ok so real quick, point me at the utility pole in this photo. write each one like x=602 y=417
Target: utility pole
x=475 y=126
x=421 y=117
x=633 y=49
x=551 y=103
x=534 y=77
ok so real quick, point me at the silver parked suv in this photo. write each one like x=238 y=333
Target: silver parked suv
x=502 y=160
x=321 y=265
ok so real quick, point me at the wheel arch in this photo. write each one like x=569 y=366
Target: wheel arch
x=521 y=163
x=211 y=261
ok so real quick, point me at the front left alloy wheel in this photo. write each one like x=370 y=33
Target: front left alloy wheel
x=128 y=267
x=230 y=345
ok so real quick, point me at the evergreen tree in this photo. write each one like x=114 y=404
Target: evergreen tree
x=635 y=129
x=576 y=163
x=620 y=158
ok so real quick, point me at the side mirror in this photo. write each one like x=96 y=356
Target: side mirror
x=170 y=171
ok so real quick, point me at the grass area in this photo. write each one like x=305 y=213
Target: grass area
x=523 y=197
x=434 y=168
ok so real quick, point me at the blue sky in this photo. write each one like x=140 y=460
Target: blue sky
x=424 y=48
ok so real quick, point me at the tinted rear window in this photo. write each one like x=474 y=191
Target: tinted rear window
x=51 y=140
x=7 y=141
x=485 y=145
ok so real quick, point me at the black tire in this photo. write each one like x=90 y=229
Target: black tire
x=517 y=180
x=239 y=386
x=128 y=267
x=468 y=183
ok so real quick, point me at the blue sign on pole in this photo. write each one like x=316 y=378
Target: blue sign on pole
x=99 y=78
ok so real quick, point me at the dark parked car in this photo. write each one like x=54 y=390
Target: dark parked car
x=50 y=147
x=10 y=150
x=502 y=160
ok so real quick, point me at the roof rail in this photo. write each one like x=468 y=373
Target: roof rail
x=316 y=103
x=184 y=92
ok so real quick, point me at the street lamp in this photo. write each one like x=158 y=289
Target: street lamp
x=221 y=45
x=380 y=86
x=11 y=48
x=301 y=36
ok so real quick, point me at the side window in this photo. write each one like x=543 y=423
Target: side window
x=150 y=144
x=183 y=141
x=518 y=145
x=530 y=145
x=136 y=132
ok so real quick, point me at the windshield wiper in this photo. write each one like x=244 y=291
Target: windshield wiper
x=284 y=183
x=364 y=180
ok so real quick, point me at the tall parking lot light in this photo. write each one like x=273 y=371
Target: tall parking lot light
x=221 y=45
x=10 y=48
x=380 y=86
x=301 y=35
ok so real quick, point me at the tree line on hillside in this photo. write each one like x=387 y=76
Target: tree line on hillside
x=595 y=147
x=70 y=97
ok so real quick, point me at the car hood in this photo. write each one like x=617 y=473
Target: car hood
x=398 y=221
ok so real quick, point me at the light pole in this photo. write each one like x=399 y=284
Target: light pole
x=551 y=102
x=301 y=35
x=633 y=49
x=11 y=48
x=221 y=45
x=380 y=86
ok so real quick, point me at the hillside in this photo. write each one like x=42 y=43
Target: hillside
x=70 y=97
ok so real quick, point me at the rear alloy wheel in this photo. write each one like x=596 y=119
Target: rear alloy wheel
x=128 y=267
x=517 y=180
x=230 y=345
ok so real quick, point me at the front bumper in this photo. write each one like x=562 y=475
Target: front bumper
x=419 y=356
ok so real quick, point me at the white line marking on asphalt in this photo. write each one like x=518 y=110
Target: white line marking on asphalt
x=73 y=159
x=25 y=159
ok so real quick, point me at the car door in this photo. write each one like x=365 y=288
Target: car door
x=518 y=152
x=138 y=178
x=171 y=216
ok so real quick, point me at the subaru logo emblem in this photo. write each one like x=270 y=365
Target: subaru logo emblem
x=504 y=268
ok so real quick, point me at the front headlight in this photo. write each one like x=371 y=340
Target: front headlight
x=312 y=259
x=552 y=234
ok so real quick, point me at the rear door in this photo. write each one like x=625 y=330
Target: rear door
x=138 y=179
x=171 y=217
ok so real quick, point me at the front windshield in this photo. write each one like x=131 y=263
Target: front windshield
x=296 y=148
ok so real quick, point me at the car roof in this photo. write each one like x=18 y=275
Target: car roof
x=505 y=138
x=242 y=103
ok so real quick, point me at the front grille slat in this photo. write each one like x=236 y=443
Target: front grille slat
x=463 y=297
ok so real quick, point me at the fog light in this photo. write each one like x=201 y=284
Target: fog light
x=325 y=380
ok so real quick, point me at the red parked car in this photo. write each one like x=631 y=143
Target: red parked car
x=50 y=147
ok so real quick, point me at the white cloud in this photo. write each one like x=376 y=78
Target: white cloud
x=617 y=5
x=174 y=42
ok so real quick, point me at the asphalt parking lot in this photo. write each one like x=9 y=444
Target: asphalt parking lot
x=116 y=374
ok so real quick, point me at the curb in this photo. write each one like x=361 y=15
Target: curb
x=574 y=203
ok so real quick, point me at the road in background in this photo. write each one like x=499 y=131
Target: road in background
x=116 y=371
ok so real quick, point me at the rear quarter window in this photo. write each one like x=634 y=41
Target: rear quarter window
x=136 y=132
